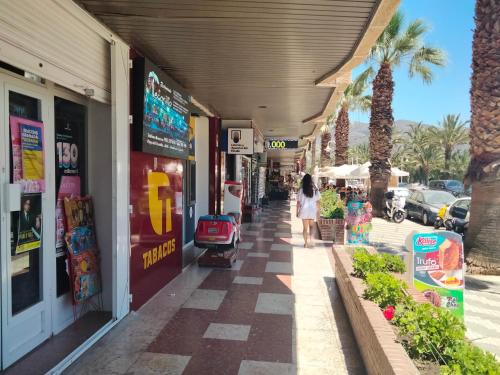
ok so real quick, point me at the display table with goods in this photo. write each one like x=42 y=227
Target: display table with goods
x=399 y=329
x=331 y=217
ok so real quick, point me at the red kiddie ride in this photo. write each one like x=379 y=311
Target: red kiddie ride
x=220 y=234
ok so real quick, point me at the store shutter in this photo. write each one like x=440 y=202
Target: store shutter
x=59 y=41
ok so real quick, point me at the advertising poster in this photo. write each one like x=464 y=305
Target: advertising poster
x=155 y=224
x=27 y=154
x=438 y=268
x=161 y=112
x=30 y=223
x=240 y=141
x=192 y=148
x=68 y=187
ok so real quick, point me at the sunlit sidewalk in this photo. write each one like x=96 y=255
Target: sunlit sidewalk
x=277 y=311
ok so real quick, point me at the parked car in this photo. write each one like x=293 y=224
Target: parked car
x=453 y=186
x=459 y=209
x=425 y=204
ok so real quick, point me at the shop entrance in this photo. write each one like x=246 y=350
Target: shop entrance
x=44 y=131
x=27 y=221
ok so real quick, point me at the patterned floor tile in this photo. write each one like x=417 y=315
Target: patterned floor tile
x=274 y=303
x=258 y=255
x=266 y=368
x=248 y=280
x=279 y=267
x=245 y=245
x=205 y=299
x=159 y=363
x=237 y=332
x=281 y=247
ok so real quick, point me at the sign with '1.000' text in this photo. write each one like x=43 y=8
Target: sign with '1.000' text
x=438 y=268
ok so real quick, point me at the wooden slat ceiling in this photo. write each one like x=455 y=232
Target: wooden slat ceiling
x=237 y=55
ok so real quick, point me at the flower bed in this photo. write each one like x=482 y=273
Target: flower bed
x=433 y=337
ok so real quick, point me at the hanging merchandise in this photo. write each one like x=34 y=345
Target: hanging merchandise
x=29 y=231
x=27 y=154
x=358 y=222
x=83 y=254
x=69 y=187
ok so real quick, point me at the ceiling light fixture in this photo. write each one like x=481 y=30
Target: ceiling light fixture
x=263 y=106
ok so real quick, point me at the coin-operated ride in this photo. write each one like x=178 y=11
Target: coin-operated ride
x=220 y=234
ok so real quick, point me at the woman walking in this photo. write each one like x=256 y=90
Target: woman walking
x=307 y=207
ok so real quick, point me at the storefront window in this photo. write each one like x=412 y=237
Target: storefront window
x=26 y=266
x=70 y=173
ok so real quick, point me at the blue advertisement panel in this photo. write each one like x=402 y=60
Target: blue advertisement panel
x=438 y=268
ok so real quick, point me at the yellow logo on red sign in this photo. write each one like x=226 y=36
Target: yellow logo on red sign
x=157 y=180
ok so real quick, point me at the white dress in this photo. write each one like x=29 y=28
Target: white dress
x=308 y=205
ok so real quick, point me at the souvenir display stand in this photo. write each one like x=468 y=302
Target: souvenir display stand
x=220 y=234
x=358 y=222
x=83 y=255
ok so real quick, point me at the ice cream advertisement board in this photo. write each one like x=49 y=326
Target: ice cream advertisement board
x=438 y=268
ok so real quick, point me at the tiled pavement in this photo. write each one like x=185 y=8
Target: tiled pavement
x=276 y=312
x=482 y=293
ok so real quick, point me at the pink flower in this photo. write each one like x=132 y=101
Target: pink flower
x=389 y=312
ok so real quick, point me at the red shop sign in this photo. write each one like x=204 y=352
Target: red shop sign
x=155 y=224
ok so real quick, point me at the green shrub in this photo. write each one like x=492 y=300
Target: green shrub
x=331 y=206
x=394 y=263
x=365 y=263
x=467 y=359
x=429 y=332
x=384 y=289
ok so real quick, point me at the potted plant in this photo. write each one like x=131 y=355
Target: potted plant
x=331 y=220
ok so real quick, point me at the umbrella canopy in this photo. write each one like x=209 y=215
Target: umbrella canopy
x=342 y=171
x=364 y=172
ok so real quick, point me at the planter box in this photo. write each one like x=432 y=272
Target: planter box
x=332 y=230
x=381 y=352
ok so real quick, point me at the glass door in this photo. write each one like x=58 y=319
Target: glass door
x=26 y=223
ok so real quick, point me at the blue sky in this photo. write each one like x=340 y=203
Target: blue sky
x=451 y=26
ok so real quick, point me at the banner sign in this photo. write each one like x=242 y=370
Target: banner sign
x=358 y=222
x=29 y=231
x=282 y=143
x=161 y=112
x=155 y=224
x=192 y=145
x=438 y=268
x=240 y=141
x=27 y=154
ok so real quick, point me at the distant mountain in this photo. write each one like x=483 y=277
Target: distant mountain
x=359 y=132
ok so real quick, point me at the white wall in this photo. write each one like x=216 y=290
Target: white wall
x=202 y=166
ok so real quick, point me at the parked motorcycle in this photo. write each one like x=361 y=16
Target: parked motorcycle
x=440 y=218
x=394 y=207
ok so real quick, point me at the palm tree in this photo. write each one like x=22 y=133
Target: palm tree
x=394 y=46
x=326 y=137
x=353 y=98
x=450 y=133
x=423 y=154
x=484 y=173
x=459 y=162
x=359 y=153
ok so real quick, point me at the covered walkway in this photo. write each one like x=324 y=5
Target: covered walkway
x=277 y=311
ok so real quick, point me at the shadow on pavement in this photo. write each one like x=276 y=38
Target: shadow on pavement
x=348 y=343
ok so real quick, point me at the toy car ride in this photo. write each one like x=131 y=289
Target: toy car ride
x=219 y=234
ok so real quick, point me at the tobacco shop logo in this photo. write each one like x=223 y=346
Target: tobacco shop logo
x=161 y=223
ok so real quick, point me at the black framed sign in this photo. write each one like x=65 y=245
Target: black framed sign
x=282 y=143
x=161 y=112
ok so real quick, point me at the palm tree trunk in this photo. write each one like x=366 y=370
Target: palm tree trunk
x=483 y=235
x=326 y=137
x=342 y=136
x=381 y=122
x=447 y=157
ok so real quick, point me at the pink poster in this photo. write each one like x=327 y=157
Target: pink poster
x=70 y=187
x=27 y=154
